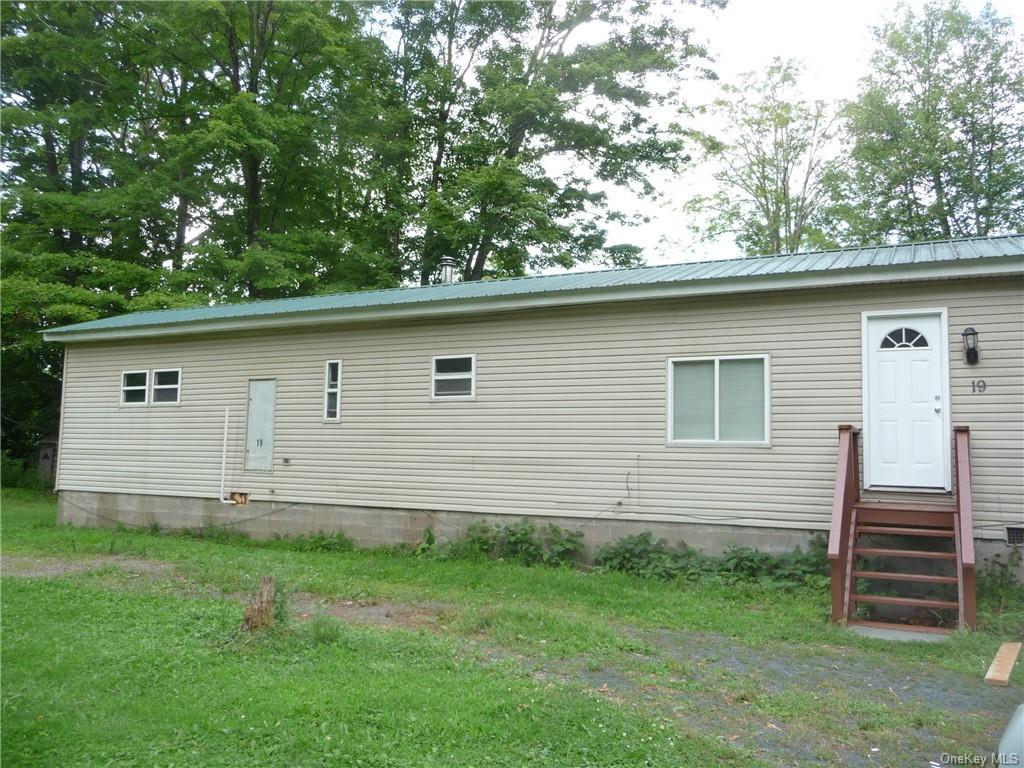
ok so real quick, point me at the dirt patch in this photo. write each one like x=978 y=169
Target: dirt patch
x=378 y=614
x=50 y=567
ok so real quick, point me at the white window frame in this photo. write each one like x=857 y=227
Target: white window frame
x=144 y=388
x=435 y=377
x=153 y=386
x=329 y=389
x=670 y=379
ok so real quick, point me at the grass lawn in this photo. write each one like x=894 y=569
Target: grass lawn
x=121 y=647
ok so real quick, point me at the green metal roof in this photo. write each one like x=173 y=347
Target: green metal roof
x=888 y=261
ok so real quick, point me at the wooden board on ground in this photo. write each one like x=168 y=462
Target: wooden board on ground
x=1002 y=664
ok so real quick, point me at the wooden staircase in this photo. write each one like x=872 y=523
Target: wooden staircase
x=901 y=547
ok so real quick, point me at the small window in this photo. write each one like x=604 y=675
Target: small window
x=904 y=338
x=167 y=387
x=332 y=390
x=454 y=376
x=134 y=387
x=719 y=400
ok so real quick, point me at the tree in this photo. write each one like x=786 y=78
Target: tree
x=498 y=94
x=267 y=110
x=159 y=154
x=771 y=164
x=937 y=132
x=81 y=239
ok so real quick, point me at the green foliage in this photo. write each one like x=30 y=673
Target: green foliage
x=479 y=542
x=173 y=154
x=19 y=473
x=282 y=611
x=317 y=542
x=1001 y=594
x=773 y=158
x=324 y=630
x=520 y=542
x=560 y=546
x=319 y=693
x=936 y=134
x=426 y=546
x=641 y=555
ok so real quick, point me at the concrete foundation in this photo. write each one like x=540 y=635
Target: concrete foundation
x=380 y=526
x=377 y=526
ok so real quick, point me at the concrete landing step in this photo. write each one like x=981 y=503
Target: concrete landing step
x=900 y=633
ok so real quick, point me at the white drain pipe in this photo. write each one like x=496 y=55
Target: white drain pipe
x=224 y=458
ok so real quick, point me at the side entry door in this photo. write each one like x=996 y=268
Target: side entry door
x=259 y=433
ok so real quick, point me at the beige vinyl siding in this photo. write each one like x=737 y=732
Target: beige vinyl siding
x=569 y=416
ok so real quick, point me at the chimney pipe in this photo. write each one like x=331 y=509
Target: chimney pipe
x=448 y=266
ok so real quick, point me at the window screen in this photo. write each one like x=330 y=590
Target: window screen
x=722 y=399
x=332 y=390
x=453 y=376
x=741 y=399
x=134 y=387
x=167 y=386
x=694 y=401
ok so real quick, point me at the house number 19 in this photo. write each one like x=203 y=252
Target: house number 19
x=978 y=385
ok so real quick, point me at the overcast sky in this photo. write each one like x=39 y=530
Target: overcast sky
x=833 y=40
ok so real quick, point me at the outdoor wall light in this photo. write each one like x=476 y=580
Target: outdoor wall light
x=970 y=346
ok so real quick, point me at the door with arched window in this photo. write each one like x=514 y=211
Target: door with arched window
x=906 y=409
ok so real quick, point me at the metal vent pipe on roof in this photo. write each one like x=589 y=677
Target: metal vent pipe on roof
x=448 y=267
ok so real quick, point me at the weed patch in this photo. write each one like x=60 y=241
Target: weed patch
x=641 y=555
x=521 y=542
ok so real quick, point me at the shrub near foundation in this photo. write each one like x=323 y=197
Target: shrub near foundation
x=520 y=542
x=641 y=555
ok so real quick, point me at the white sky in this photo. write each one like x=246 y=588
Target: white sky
x=833 y=40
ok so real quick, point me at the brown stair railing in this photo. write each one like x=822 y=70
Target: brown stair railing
x=900 y=519
x=847 y=493
x=965 y=538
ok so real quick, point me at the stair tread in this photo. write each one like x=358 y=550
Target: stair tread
x=895 y=576
x=911 y=518
x=894 y=530
x=883 y=552
x=909 y=601
x=907 y=506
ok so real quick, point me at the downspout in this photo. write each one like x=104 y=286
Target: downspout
x=224 y=458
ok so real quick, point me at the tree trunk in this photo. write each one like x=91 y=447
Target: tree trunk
x=76 y=153
x=259 y=614
x=181 y=230
x=53 y=175
x=253 y=191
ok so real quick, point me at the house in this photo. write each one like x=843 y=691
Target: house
x=701 y=401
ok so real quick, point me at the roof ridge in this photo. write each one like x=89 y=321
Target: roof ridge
x=368 y=291
x=852 y=257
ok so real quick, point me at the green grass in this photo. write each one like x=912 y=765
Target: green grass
x=100 y=668
x=148 y=680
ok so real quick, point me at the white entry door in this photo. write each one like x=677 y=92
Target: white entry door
x=907 y=440
x=259 y=433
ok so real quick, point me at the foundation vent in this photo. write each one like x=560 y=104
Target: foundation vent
x=1014 y=534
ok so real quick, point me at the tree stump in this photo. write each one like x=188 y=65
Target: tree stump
x=259 y=613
